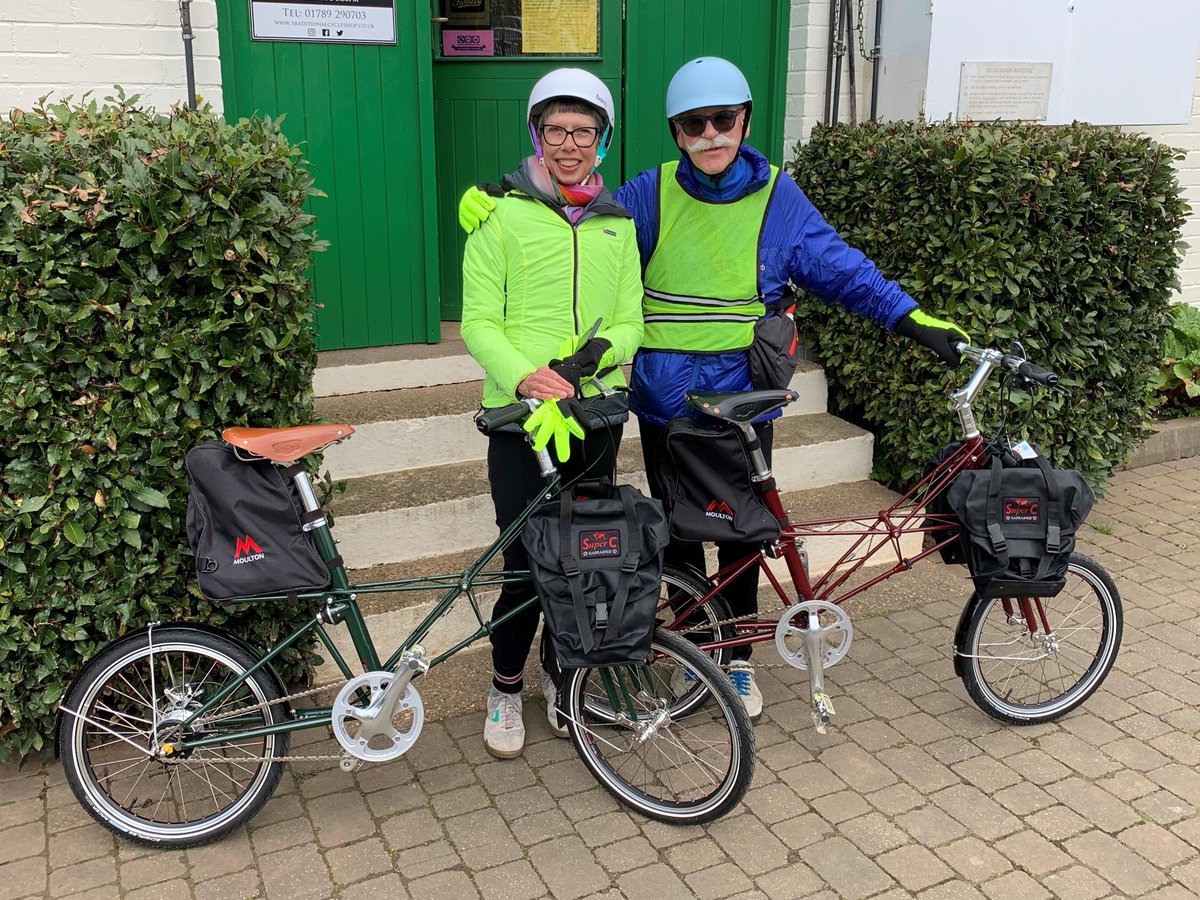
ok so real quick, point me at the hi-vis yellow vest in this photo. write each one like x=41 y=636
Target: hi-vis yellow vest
x=701 y=282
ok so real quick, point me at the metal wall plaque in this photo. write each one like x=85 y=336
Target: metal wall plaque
x=1011 y=91
x=324 y=21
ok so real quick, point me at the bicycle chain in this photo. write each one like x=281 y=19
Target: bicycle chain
x=711 y=626
x=299 y=695
x=285 y=698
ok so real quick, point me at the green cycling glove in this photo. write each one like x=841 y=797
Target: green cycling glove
x=475 y=205
x=550 y=421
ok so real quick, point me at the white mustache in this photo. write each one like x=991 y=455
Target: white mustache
x=721 y=140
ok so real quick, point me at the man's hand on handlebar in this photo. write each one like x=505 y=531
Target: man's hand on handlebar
x=938 y=335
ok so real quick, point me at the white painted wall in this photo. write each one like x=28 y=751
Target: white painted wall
x=808 y=45
x=62 y=47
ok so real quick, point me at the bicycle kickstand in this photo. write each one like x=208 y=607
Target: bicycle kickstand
x=822 y=705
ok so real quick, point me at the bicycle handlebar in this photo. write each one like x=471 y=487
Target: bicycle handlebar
x=488 y=420
x=1016 y=364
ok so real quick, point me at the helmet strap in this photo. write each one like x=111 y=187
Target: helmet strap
x=537 y=143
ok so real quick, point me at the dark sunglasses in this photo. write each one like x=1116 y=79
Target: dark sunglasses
x=556 y=136
x=723 y=121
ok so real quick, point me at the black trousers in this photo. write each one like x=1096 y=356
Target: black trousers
x=742 y=592
x=514 y=478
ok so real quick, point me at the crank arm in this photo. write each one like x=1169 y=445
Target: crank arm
x=373 y=722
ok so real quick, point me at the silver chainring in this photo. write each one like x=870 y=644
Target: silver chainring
x=402 y=723
x=830 y=621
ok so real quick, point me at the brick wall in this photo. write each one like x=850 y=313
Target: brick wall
x=63 y=47
x=808 y=45
x=1187 y=138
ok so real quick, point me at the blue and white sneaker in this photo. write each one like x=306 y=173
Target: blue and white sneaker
x=741 y=675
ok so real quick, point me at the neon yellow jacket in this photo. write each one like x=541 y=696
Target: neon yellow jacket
x=533 y=284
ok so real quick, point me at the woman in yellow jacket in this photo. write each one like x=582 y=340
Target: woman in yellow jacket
x=557 y=254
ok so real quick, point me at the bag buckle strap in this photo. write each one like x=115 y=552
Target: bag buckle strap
x=999 y=544
x=570 y=566
x=601 y=614
x=630 y=562
x=1053 y=538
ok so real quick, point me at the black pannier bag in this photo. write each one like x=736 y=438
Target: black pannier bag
x=596 y=556
x=707 y=489
x=245 y=527
x=1018 y=525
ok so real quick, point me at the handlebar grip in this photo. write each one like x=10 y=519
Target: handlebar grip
x=1038 y=374
x=490 y=419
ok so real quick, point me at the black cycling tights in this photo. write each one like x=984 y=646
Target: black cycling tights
x=513 y=473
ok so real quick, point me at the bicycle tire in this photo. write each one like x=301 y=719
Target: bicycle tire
x=225 y=784
x=1002 y=660
x=687 y=769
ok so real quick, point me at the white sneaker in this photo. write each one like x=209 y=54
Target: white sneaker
x=503 y=729
x=550 y=692
x=741 y=674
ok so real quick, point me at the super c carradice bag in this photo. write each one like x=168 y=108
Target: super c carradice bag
x=245 y=526
x=1018 y=525
x=596 y=555
x=708 y=493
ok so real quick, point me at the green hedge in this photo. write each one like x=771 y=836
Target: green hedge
x=152 y=291
x=1066 y=238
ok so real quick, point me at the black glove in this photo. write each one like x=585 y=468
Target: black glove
x=582 y=362
x=938 y=335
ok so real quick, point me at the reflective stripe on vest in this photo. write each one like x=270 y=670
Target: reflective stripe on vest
x=701 y=283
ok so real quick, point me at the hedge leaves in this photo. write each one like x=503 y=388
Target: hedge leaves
x=1066 y=238
x=152 y=291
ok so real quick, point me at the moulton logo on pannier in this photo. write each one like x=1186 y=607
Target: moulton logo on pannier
x=1022 y=509
x=246 y=550
x=599 y=544
x=719 y=509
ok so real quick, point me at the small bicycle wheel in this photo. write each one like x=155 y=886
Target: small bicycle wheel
x=707 y=624
x=682 y=768
x=131 y=700
x=1023 y=678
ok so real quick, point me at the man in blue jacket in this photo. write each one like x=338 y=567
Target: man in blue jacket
x=722 y=237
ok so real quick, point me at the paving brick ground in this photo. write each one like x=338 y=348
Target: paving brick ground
x=915 y=793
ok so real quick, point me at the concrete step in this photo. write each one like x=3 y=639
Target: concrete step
x=443 y=508
x=413 y=428
x=392 y=616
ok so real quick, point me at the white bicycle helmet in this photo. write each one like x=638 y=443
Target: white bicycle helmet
x=575 y=84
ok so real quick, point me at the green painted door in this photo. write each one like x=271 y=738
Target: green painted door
x=358 y=112
x=662 y=35
x=487 y=57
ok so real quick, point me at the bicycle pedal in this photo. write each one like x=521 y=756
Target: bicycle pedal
x=822 y=710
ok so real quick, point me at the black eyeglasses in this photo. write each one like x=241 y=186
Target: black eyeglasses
x=556 y=136
x=723 y=121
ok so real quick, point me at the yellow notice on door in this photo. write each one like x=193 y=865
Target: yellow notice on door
x=558 y=26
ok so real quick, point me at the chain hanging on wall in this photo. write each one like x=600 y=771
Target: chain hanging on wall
x=873 y=56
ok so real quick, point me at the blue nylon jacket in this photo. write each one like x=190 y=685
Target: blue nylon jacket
x=796 y=246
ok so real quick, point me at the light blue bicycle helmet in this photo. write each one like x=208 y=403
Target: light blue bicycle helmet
x=707 y=81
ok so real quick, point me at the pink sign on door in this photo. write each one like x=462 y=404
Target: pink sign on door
x=460 y=42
